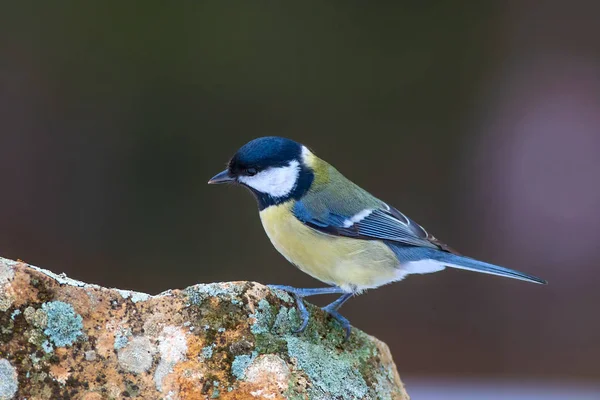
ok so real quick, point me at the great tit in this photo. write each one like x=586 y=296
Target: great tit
x=335 y=231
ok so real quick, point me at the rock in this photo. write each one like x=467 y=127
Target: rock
x=61 y=338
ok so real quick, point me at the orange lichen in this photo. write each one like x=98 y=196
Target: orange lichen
x=60 y=373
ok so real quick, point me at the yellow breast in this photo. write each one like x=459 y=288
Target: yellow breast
x=352 y=264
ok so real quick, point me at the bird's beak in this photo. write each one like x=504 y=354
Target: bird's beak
x=221 y=177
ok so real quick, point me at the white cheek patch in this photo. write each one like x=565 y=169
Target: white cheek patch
x=276 y=182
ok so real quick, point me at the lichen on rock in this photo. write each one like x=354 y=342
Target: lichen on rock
x=172 y=348
x=241 y=363
x=137 y=356
x=8 y=380
x=63 y=325
x=62 y=338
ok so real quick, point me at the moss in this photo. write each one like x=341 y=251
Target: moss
x=294 y=390
x=6 y=327
x=268 y=344
x=132 y=389
x=64 y=324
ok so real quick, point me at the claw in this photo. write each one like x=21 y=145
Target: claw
x=299 y=295
x=304 y=315
x=343 y=321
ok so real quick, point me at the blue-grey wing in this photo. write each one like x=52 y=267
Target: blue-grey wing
x=381 y=223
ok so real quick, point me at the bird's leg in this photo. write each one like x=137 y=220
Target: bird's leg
x=299 y=294
x=338 y=303
x=332 y=309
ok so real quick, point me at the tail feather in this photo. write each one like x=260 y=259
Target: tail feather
x=470 y=264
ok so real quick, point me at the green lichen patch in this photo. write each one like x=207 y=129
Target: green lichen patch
x=286 y=321
x=271 y=330
x=36 y=317
x=263 y=317
x=122 y=336
x=200 y=293
x=283 y=295
x=47 y=347
x=36 y=337
x=15 y=313
x=64 y=324
x=207 y=352
x=241 y=363
x=332 y=373
x=5 y=304
x=335 y=367
x=384 y=384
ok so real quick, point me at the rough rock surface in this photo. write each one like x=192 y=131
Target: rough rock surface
x=64 y=339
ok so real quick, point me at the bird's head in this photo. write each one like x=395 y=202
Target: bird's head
x=275 y=169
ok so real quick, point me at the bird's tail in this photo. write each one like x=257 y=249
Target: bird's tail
x=470 y=264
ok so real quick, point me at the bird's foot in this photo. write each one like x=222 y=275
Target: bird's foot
x=299 y=294
x=299 y=297
x=343 y=321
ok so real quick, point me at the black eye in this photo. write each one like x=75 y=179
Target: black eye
x=251 y=171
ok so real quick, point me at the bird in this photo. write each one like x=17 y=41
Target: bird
x=335 y=231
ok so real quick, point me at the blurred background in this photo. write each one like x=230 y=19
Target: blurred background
x=480 y=120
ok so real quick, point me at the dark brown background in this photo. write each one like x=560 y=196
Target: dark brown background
x=479 y=120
